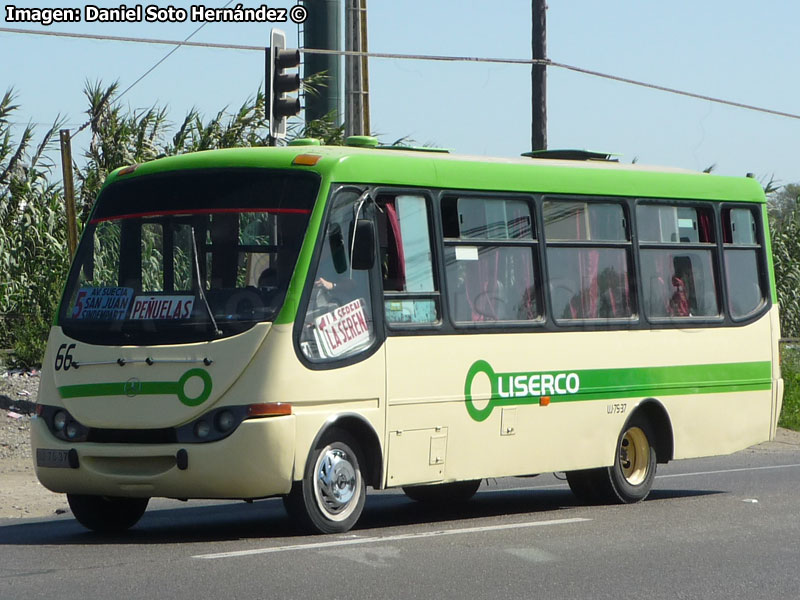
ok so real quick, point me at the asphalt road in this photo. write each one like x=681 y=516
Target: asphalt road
x=712 y=528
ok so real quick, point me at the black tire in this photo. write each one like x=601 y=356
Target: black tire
x=331 y=495
x=443 y=493
x=630 y=478
x=582 y=484
x=107 y=514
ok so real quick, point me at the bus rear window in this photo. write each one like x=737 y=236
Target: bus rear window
x=187 y=256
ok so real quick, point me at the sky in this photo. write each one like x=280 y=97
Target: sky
x=740 y=51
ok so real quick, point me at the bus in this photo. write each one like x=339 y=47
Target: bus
x=306 y=322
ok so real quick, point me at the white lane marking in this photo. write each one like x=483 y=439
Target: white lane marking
x=380 y=557
x=721 y=471
x=533 y=555
x=692 y=474
x=390 y=538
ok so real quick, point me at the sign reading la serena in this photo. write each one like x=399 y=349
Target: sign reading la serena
x=343 y=329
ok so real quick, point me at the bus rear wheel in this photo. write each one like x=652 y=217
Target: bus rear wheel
x=442 y=493
x=331 y=495
x=630 y=478
x=107 y=514
x=582 y=484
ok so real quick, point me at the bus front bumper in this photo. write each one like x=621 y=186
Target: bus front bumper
x=255 y=461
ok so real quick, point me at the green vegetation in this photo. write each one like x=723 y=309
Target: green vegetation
x=785 y=229
x=33 y=254
x=790 y=366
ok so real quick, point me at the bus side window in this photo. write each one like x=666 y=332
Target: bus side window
x=490 y=259
x=677 y=261
x=406 y=259
x=742 y=252
x=589 y=258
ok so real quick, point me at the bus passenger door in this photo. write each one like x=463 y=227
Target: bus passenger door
x=416 y=431
x=340 y=337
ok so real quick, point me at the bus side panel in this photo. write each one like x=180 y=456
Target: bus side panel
x=714 y=383
x=319 y=396
x=426 y=393
x=718 y=424
x=777 y=379
x=714 y=424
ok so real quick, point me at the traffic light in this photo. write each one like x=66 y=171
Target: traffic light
x=280 y=82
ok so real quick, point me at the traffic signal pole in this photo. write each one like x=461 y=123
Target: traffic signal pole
x=279 y=105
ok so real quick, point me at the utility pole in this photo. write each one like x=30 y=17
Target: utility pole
x=356 y=97
x=321 y=31
x=538 y=75
x=69 y=190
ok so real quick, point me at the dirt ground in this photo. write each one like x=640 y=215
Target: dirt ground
x=21 y=494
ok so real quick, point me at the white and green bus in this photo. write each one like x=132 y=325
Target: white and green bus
x=304 y=322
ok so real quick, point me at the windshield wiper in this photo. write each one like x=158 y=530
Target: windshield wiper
x=217 y=330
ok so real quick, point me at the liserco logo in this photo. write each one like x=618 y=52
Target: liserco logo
x=511 y=389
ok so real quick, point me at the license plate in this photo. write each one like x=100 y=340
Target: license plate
x=52 y=458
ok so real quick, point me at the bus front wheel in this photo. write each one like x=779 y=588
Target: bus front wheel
x=331 y=495
x=107 y=514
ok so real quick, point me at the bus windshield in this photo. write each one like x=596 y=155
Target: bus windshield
x=187 y=256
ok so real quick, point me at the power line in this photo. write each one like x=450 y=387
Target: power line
x=114 y=38
x=428 y=57
x=168 y=54
x=662 y=88
x=151 y=69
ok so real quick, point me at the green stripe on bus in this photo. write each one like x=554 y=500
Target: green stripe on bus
x=133 y=387
x=123 y=388
x=525 y=388
x=288 y=311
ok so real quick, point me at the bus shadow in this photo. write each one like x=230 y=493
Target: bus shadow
x=182 y=524
x=267 y=519
x=397 y=510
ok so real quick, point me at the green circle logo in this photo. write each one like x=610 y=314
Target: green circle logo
x=204 y=393
x=480 y=366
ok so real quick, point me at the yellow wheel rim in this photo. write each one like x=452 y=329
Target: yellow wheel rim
x=634 y=456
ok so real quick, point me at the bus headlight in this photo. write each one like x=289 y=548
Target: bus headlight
x=72 y=430
x=225 y=421
x=60 y=420
x=62 y=424
x=219 y=423
x=202 y=429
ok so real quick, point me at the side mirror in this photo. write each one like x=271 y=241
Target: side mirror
x=364 y=245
